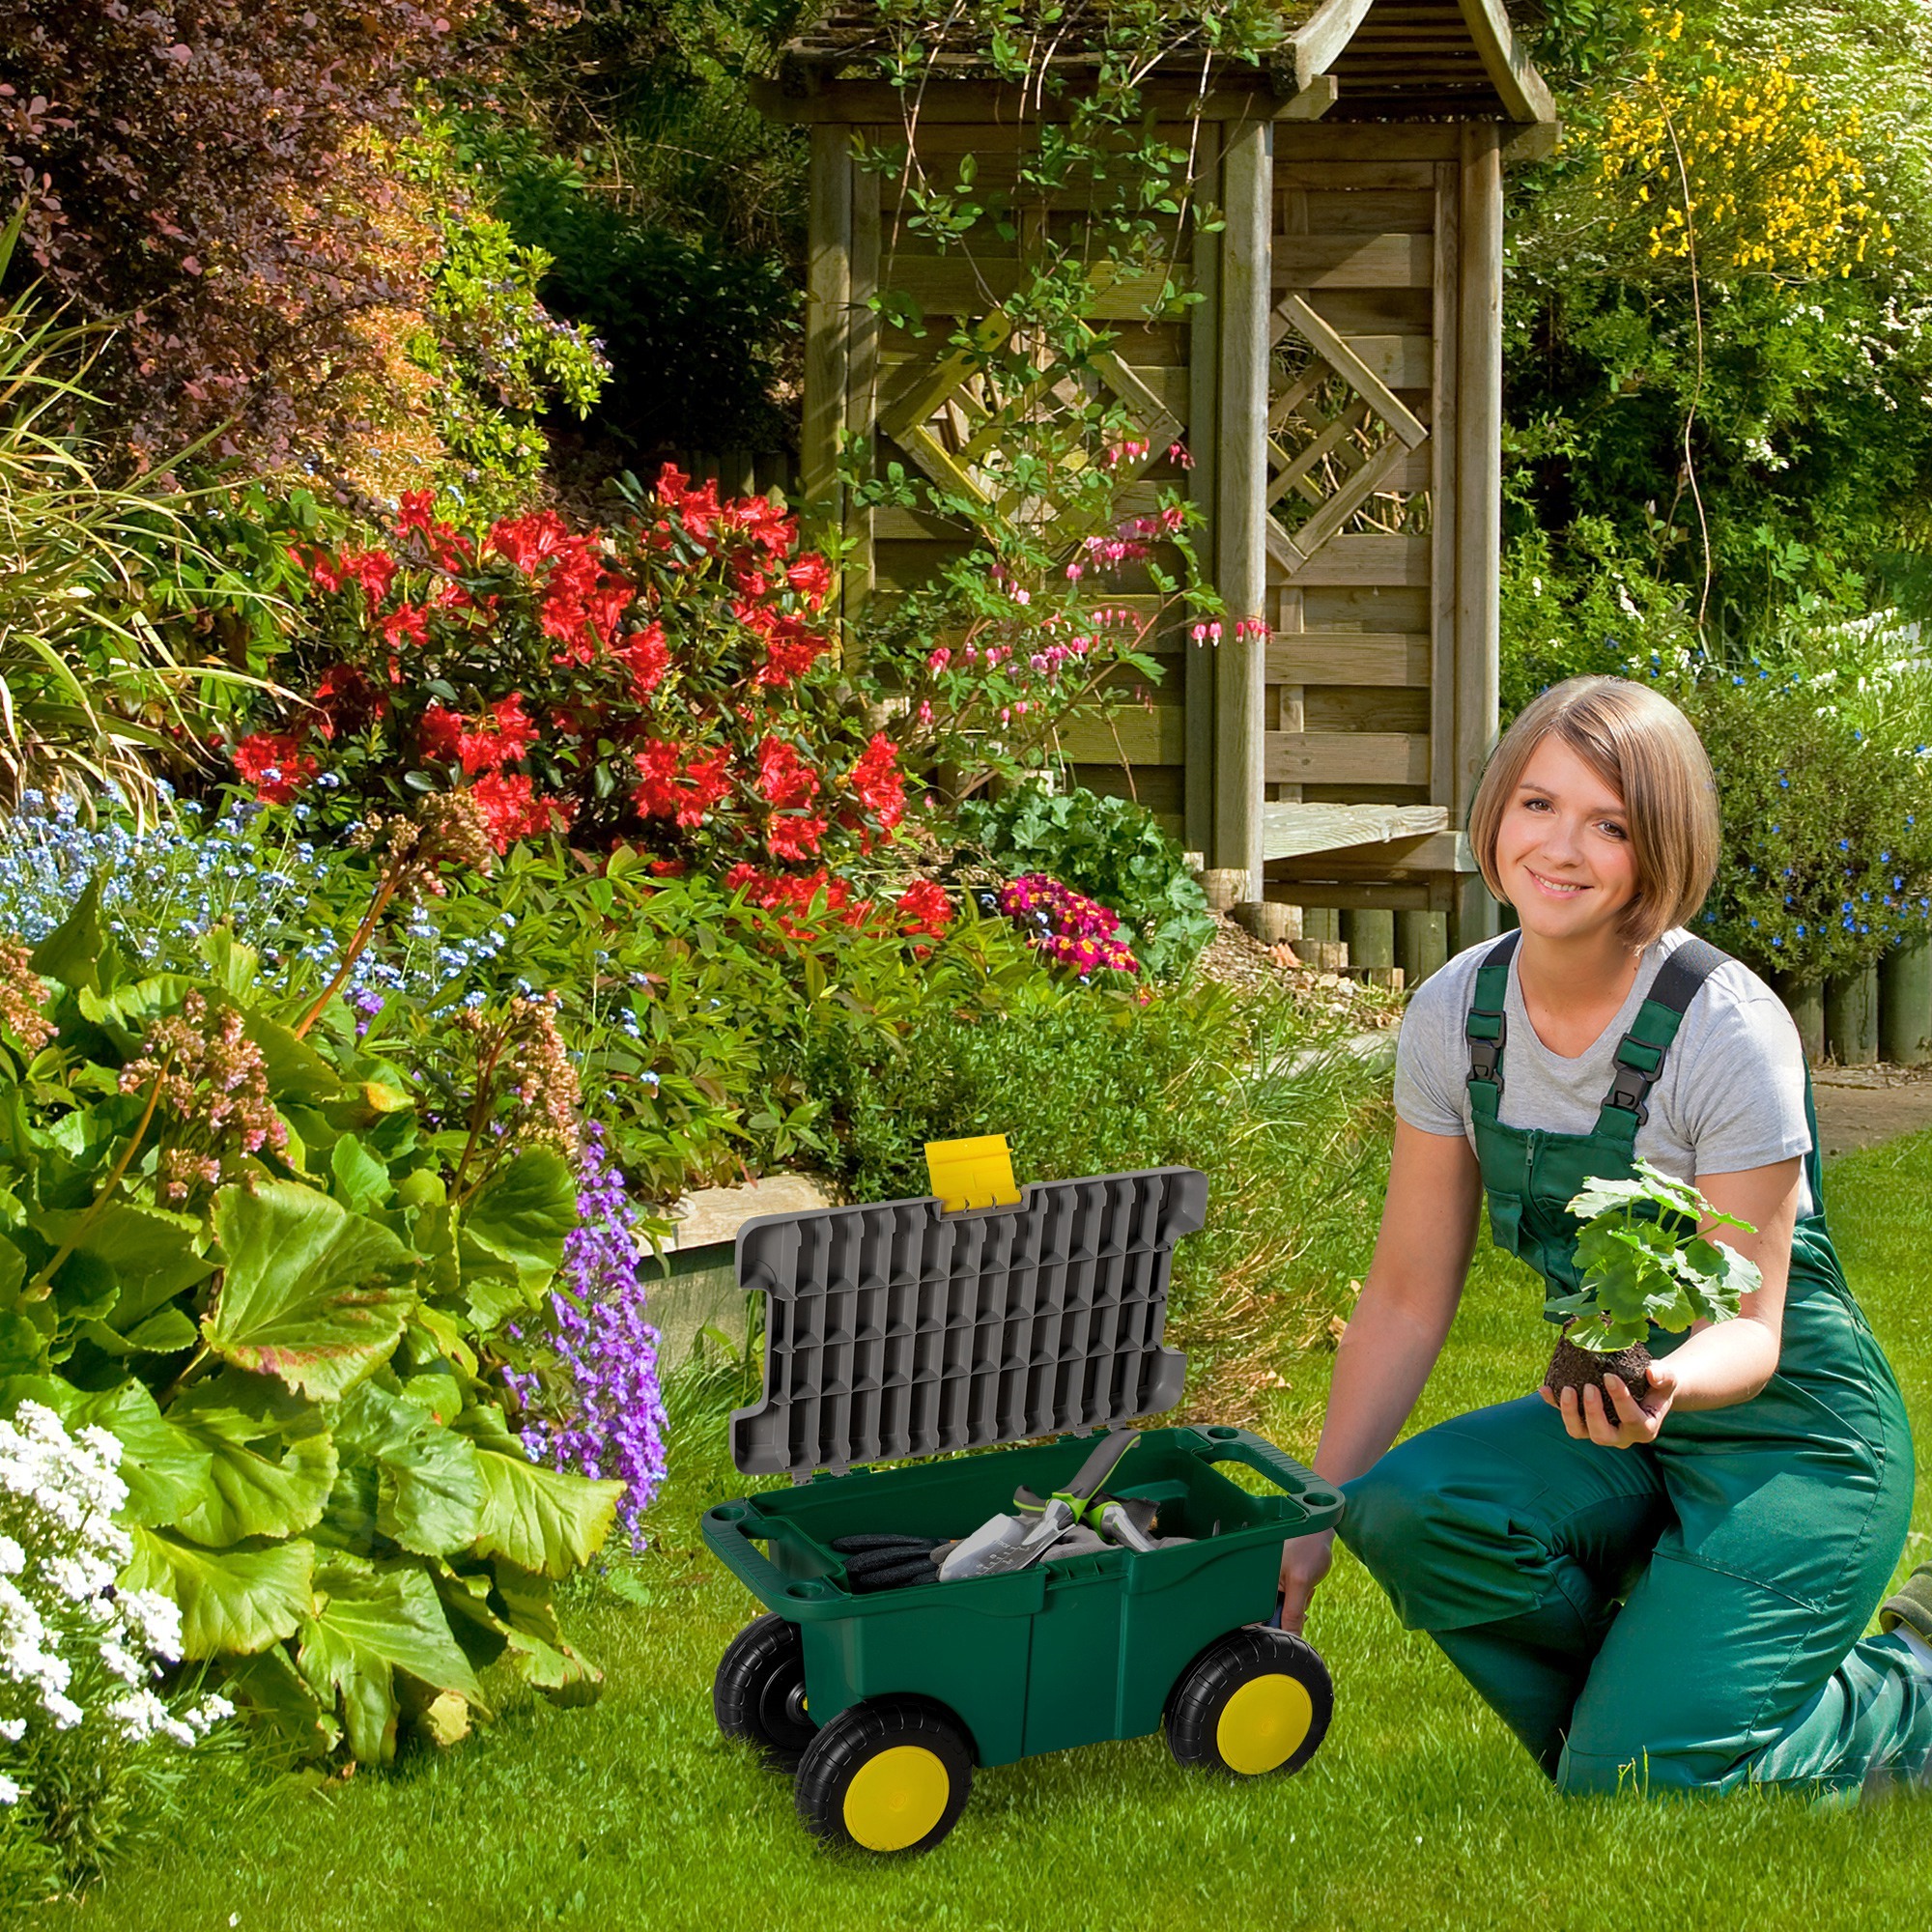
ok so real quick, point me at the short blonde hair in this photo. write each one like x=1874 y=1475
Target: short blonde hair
x=1638 y=743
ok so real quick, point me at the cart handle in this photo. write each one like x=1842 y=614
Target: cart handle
x=1224 y=1444
x=728 y=1529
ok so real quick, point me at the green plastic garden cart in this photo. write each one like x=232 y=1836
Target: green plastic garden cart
x=900 y=1330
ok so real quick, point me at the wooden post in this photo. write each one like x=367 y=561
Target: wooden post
x=828 y=295
x=1851 y=1017
x=1805 y=1002
x=1421 y=945
x=862 y=376
x=1240 y=547
x=1905 y=1005
x=1479 y=430
x=1370 y=937
x=1203 y=396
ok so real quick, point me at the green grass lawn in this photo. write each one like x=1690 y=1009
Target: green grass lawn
x=1419 y=1811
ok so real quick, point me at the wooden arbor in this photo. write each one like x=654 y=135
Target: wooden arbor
x=1338 y=384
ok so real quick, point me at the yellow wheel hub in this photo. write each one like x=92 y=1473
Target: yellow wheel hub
x=897 y=1798
x=1263 y=1724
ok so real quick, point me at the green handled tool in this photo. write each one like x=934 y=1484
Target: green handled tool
x=979 y=1555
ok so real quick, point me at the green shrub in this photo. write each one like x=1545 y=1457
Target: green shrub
x=284 y=1275
x=1110 y=848
x=1291 y=1128
x=1823 y=756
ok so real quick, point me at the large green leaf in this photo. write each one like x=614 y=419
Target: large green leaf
x=232 y=1601
x=297 y=1074
x=168 y=1471
x=522 y=1213
x=536 y=1644
x=279 y=1697
x=313 y=1293
x=73 y=953
x=430 y=1493
x=258 y=1485
x=367 y=1625
x=540 y=1519
x=152 y=1254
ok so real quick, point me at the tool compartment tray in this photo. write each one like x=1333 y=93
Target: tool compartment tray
x=1073 y=1650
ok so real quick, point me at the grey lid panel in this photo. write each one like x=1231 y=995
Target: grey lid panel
x=894 y=1330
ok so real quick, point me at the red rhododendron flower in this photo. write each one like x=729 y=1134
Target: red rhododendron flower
x=644 y=654
x=440 y=733
x=791 y=649
x=375 y=570
x=500 y=738
x=925 y=907
x=784 y=778
x=793 y=835
x=812 y=577
x=878 y=781
x=772 y=529
x=512 y=809
x=274 y=764
x=525 y=541
x=676 y=790
x=416 y=511
x=405 y=621
x=347 y=701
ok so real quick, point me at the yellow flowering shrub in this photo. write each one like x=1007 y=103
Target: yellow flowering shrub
x=1771 y=177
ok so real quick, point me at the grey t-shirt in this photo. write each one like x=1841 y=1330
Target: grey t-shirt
x=1731 y=1095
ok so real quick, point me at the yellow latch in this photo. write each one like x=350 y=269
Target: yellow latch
x=976 y=1173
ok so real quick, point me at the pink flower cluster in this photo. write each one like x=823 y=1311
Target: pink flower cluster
x=1065 y=926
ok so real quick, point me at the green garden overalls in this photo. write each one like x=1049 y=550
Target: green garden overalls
x=1684 y=1614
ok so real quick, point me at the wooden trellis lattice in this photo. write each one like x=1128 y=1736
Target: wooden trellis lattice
x=1345 y=441
x=954 y=413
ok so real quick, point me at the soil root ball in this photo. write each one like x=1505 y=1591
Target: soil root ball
x=1572 y=1367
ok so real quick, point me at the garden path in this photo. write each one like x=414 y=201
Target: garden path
x=1859 y=1106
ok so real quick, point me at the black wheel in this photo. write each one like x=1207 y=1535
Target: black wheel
x=886 y=1775
x=759 y=1692
x=1255 y=1702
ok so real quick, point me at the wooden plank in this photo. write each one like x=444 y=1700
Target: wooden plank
x=997 y=106
x=1391 y=658
x=1352 y=262
x=1334 y=350
x=1144 y=737
x=1344 y=757
x=1155 y=788
x=827 y=303
x=1365 y=707
x=1442 y=450
x=1369 y=175
x=1371 y=212
x=1523 y=92
x=1296 y=830
x=1402 y=361
x=1358 y=312
x=1315 y=534
x=1392 y=562
x=1394 y=896
x=1203 y=427
x=1399 y=856
x=1242 y=546
x=1365 y=608
x=1367 y=141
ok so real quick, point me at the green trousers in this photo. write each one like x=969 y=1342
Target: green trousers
x=1681 y=1616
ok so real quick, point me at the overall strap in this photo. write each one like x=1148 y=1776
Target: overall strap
x=1484 y=1028
x=1639 y=1054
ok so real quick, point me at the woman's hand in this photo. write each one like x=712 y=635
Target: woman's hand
x=1304 y=1563
x=1589 y=1421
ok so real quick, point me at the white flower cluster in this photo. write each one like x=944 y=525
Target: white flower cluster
x=64 y=1625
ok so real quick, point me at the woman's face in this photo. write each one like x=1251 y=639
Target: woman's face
x=1563 y=850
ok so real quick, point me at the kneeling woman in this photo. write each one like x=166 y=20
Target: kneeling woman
x=1675 y=1598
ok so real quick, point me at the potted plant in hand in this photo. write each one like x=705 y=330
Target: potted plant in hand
x=1643 y=1261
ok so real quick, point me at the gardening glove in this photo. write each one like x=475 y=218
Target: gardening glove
x=888 y=1562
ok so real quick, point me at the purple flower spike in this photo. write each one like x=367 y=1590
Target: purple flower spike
x=613 y=1419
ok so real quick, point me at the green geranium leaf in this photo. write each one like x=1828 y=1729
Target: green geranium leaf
x=367 y=1625
x=232 y=1601
x=313 y=1293
x=542 y=1520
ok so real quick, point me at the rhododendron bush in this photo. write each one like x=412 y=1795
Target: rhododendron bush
x=670 y=682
